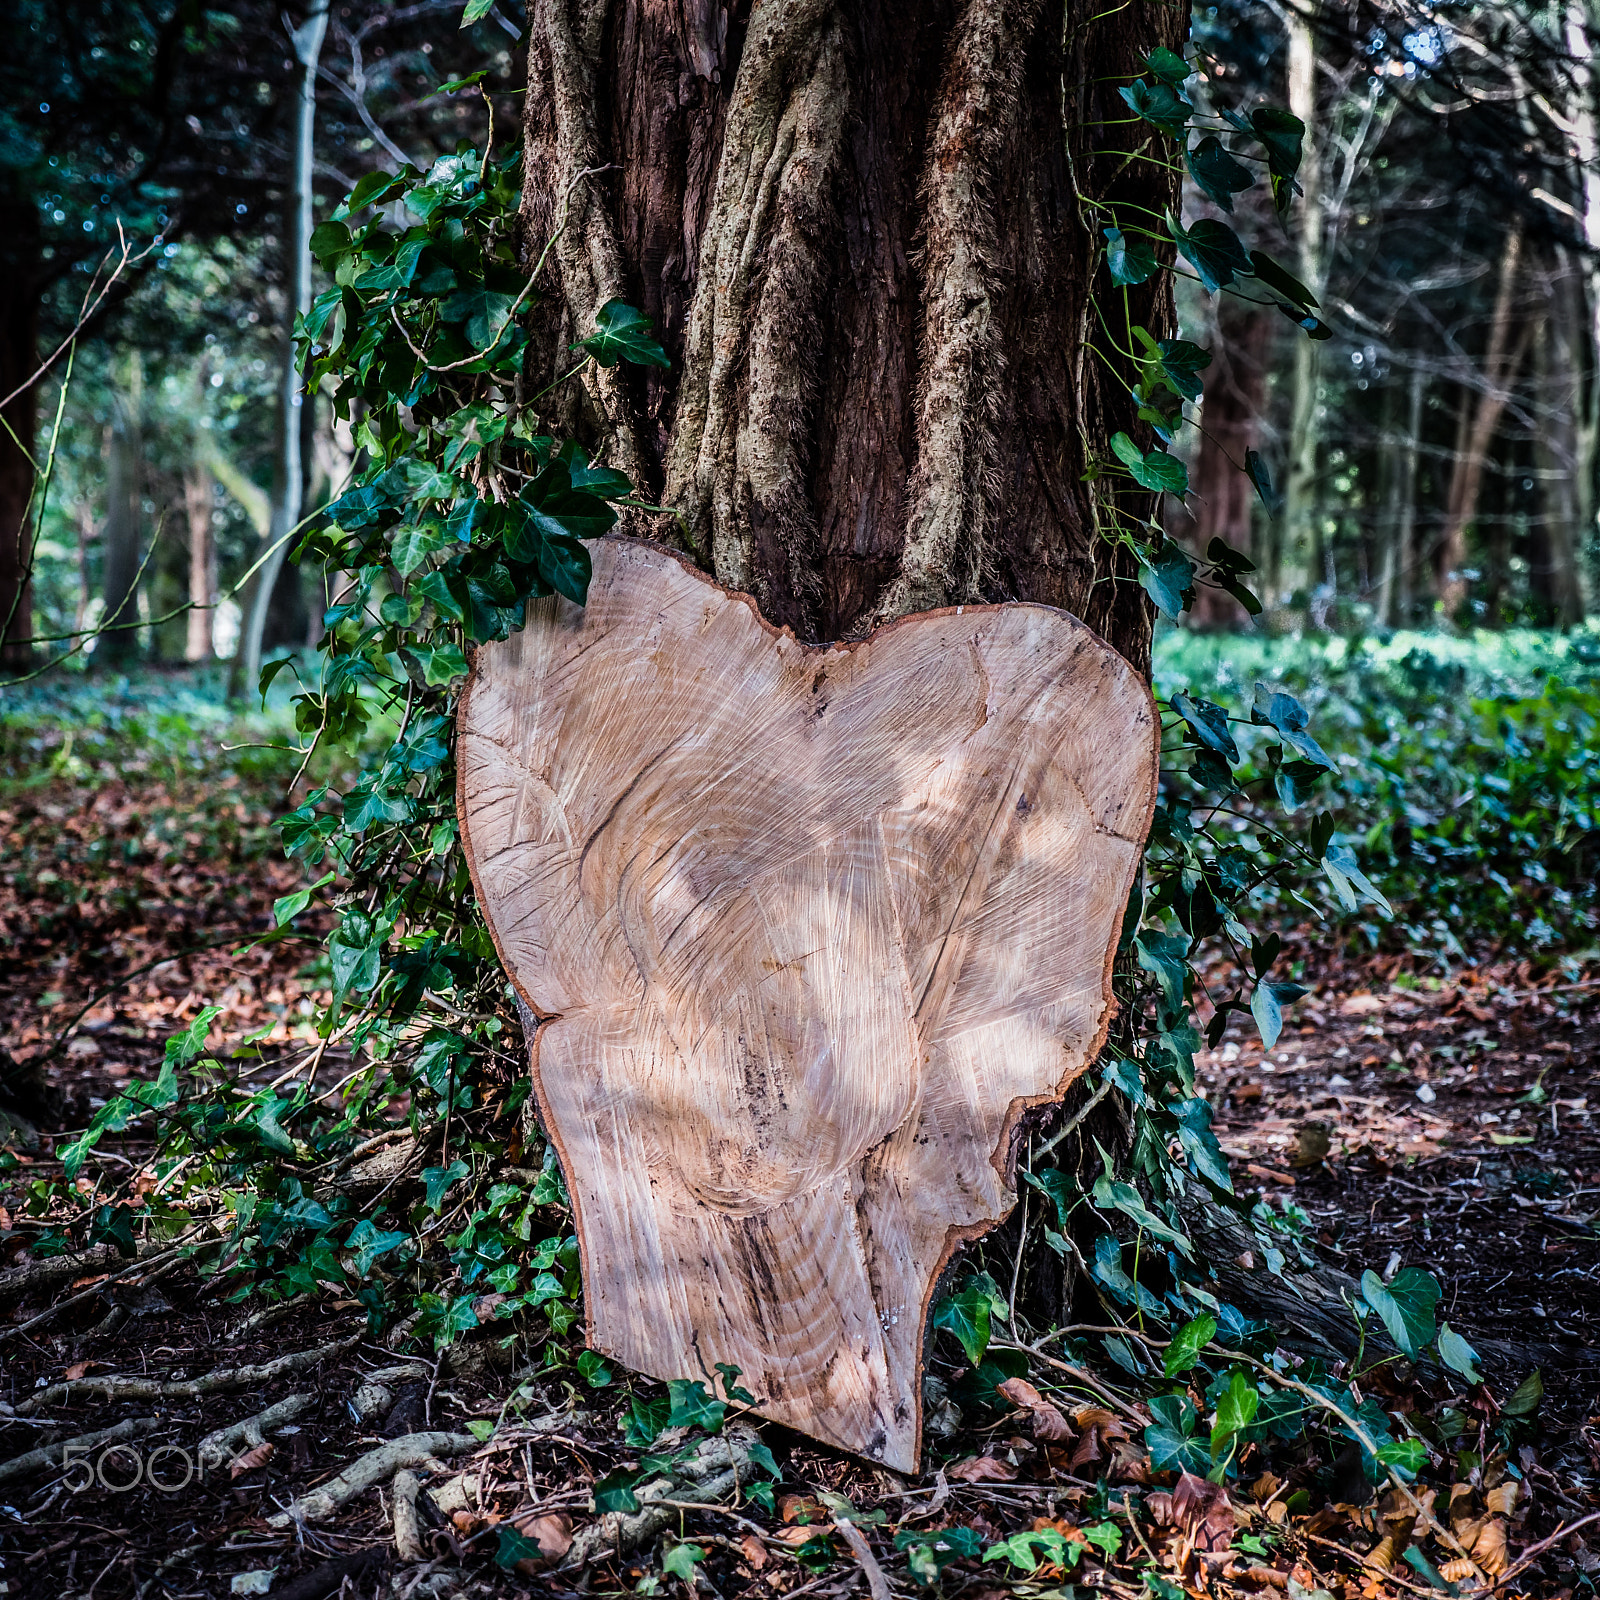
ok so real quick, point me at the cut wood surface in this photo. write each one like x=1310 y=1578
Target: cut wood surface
x=807 y=928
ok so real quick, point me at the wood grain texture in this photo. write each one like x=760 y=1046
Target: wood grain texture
x=807 y=928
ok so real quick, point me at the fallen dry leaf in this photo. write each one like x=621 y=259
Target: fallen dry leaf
x=981 y=1469
x=1129 y=1463
x=754 y=1552
x=551 y=1531
x=1204 y=1512
x=77 y=1370
x=257 y=1456
x=798 y=1507
x=1048 y=1422
x=1501 y=1502
x=1488 y=1549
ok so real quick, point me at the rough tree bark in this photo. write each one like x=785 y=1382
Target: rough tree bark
x=865 y=238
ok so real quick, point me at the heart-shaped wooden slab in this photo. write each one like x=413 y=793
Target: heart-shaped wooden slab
x=808 y=928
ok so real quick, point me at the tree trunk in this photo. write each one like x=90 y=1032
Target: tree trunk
x=119 y=579
x=862 y=235
x=1560 y=448
x=1301 y=559
x=867 y=239
x=19 y=317
x=1501 y=362
x=289 y=474
x=197 y=504
x=1235 y=397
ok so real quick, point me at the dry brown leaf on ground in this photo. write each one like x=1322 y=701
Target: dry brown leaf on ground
x=1502 y=1501
x=551 y=1531
x=257 y=1456
x=1204 y=1512
x=1048 y=1422
x=754 y=1552
x=802 y=1507
x=1488 y=1548
x=982 y=1469
x=1129 y=1463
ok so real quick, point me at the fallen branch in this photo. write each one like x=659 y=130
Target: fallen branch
x=223 y=1444
x=50 y=1455
x=714 y=1469
x=114 y=1387
x=377 y=1466
x=862 y=1551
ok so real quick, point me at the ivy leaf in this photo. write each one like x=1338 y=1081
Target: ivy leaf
x=354 y=966
x=1350 y=884
x=1187 y=1343
x=681 y=1561
x=693 y=1406
x=1159 y=103
x=483 y=312
x=1213 y=249
x=1256 y=470
x=1171 y=1440
x=1524 y=1400
x=369 y=1244
x=437 y=1182
x=1282 y=135
x=1168 y=580
x=1180 y=361
x=1407 y=1456
x=1289 y=720
x=514 y=1546
x=1210 y=724
x=1166 y=957
x=374 y=189
x=645 y=1419
x=1266 y=1006
x=1404 y=1305
x=1236 y=1410
x=1458 y=1355
x=1151 y=469
x=1217 y=174
x=412 y=543
x=287 y=907
x=966 y=1315
x=1168 y=66
x=622 y=333
x=1131 y=261
x=1281 y=281
x=476 y=11
x=614 y=1492
x=1123 y=1197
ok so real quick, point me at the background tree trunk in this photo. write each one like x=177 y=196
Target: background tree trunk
x=1501 y=363
x=1301 y=565
x=289 y=474
x=1235 y=399
x=197 y=505
x=121 y=541
x=19 y=317
x=866 y=237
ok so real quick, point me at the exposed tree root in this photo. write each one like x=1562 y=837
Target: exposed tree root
x=50 y=1455
x=410 y=1450
x=713 y=1470
x=224 y=1444
x=407 y=1532
x=114 y=1387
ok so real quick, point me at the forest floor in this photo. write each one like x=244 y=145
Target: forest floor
x=1449 y=1123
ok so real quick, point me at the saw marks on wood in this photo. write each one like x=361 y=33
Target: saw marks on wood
x=809 y=927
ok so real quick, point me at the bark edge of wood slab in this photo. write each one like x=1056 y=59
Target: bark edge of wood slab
x=807 y=928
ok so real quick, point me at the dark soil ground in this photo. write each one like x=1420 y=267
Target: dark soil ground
x=1449 y=1123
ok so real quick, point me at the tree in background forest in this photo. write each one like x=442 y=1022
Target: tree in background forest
x=1437 y=456
x=174 y=123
